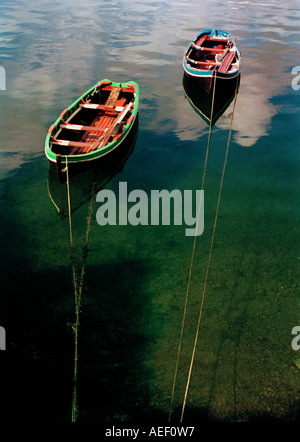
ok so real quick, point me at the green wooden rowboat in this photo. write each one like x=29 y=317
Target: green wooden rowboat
x=94 y=125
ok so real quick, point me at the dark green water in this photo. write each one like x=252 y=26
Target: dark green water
x=136 y=276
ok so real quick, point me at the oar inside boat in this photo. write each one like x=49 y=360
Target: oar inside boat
x=113 y=130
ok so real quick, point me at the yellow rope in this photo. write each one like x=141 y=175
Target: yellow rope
x=69 y=202
x=193 y=255
x=208 y=265
x=78 y=286
x=77 y=301
x=77 y=295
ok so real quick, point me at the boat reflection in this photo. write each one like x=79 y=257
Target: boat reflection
x=201 y=101
x=85 y=181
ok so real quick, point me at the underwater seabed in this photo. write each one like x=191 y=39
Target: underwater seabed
x=133 y=295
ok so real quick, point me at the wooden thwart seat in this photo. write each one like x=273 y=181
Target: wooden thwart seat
x=201 y=40
x=78 y=147
x=225 y=65
x=113 y=96
x=95 y=106
x=64 y=125
x=110 y=104
x=69 y=143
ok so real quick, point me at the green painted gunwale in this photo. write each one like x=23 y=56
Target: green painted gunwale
x=100 y=152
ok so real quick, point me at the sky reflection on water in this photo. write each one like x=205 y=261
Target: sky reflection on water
x=50 y=62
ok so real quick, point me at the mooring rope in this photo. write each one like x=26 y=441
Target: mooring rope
x=193 y=255
x=78 y=284
x=69 y=202
x=209 y=261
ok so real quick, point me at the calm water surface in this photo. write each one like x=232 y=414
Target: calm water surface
x=136 y=276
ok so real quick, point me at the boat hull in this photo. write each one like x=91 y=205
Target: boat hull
x=210 y=106
x=59 y=159
x=207 y=83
